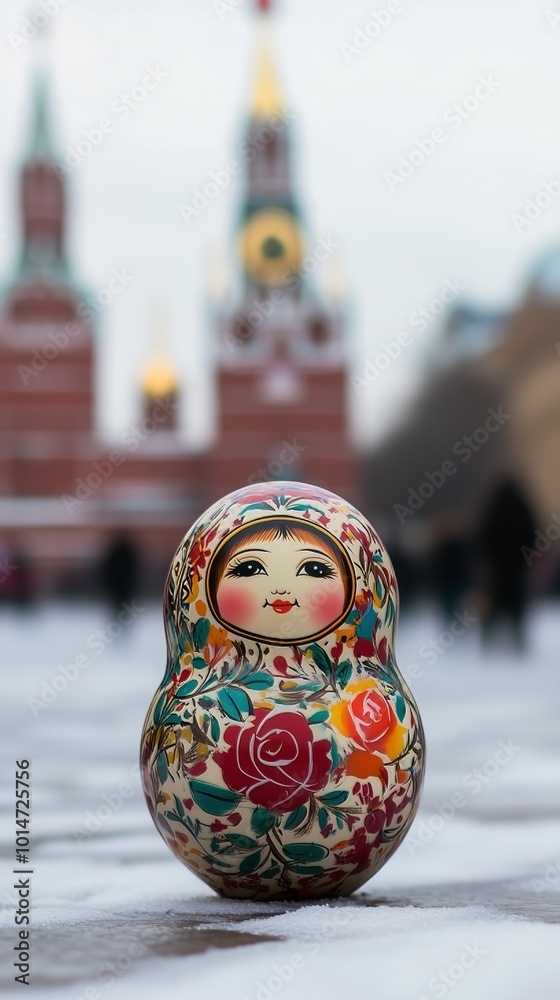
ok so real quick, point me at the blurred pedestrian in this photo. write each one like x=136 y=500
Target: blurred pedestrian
x=451 y=565
x=16 y=579
x=22 y=582
x=405 y=572
x=507 y=524
x=119 y=572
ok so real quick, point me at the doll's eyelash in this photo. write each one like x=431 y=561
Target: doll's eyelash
x=235 y=567
x=326 y=570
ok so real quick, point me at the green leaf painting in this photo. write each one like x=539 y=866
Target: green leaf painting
x=214 y=799
x=317 y=717
x=214 y=728
x=200 y=633
x=259 y=681
x=295 y=818
x=262 y=821
x=185 y=689
x=239 y=840
x=303 y=853
x=321 y=658
x=250 y=864
x=235 y=702
x=335 y=798
x=400 y=707
x=344 y=672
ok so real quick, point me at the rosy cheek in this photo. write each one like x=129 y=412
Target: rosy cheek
x=328 y=610
x=235 y=604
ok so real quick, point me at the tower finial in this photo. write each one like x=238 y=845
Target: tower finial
x=159 y=376
x=40 y=144
x=267 y=100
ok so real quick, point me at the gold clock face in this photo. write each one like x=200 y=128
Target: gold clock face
x=271 y=246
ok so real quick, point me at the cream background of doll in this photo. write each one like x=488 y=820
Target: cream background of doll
x=350 y=526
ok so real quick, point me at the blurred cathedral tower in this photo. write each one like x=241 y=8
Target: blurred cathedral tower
x=281 y=374
x=46 y=358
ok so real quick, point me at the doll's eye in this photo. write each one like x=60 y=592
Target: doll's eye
x=315 y=568
x=249 y=567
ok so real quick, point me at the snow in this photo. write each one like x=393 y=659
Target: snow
x=469 y=905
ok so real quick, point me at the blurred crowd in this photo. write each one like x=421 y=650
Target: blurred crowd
x=493 y=570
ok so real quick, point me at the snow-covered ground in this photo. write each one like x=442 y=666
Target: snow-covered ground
x=469 y=906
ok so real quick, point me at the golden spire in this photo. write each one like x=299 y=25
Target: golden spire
x=158 y=377
x=267 y=100
x=217 y=280
x=335 y=279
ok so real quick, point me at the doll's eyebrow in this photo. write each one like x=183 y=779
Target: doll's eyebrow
x=242 y=552
x=319 y=552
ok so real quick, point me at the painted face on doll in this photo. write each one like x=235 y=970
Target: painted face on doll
x=279 y=581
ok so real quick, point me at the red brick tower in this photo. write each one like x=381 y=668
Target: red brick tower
x=45 y=339
x=281 y=377
x=64 y=494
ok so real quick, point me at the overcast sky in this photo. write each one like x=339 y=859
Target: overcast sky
x=356 y=113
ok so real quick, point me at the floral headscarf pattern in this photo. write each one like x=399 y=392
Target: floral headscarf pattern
x=282 y=771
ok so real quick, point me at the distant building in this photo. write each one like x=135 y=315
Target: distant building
x=489 y=411
x=528 y=358
x=281 y=377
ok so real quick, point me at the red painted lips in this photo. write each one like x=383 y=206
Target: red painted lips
x=282 y=607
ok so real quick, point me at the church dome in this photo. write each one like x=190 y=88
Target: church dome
x=159 y=378
x=159 y=375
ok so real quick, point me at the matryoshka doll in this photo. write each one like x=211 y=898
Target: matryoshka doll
x=282 y=754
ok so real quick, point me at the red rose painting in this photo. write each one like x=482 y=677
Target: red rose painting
x=275 y=761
